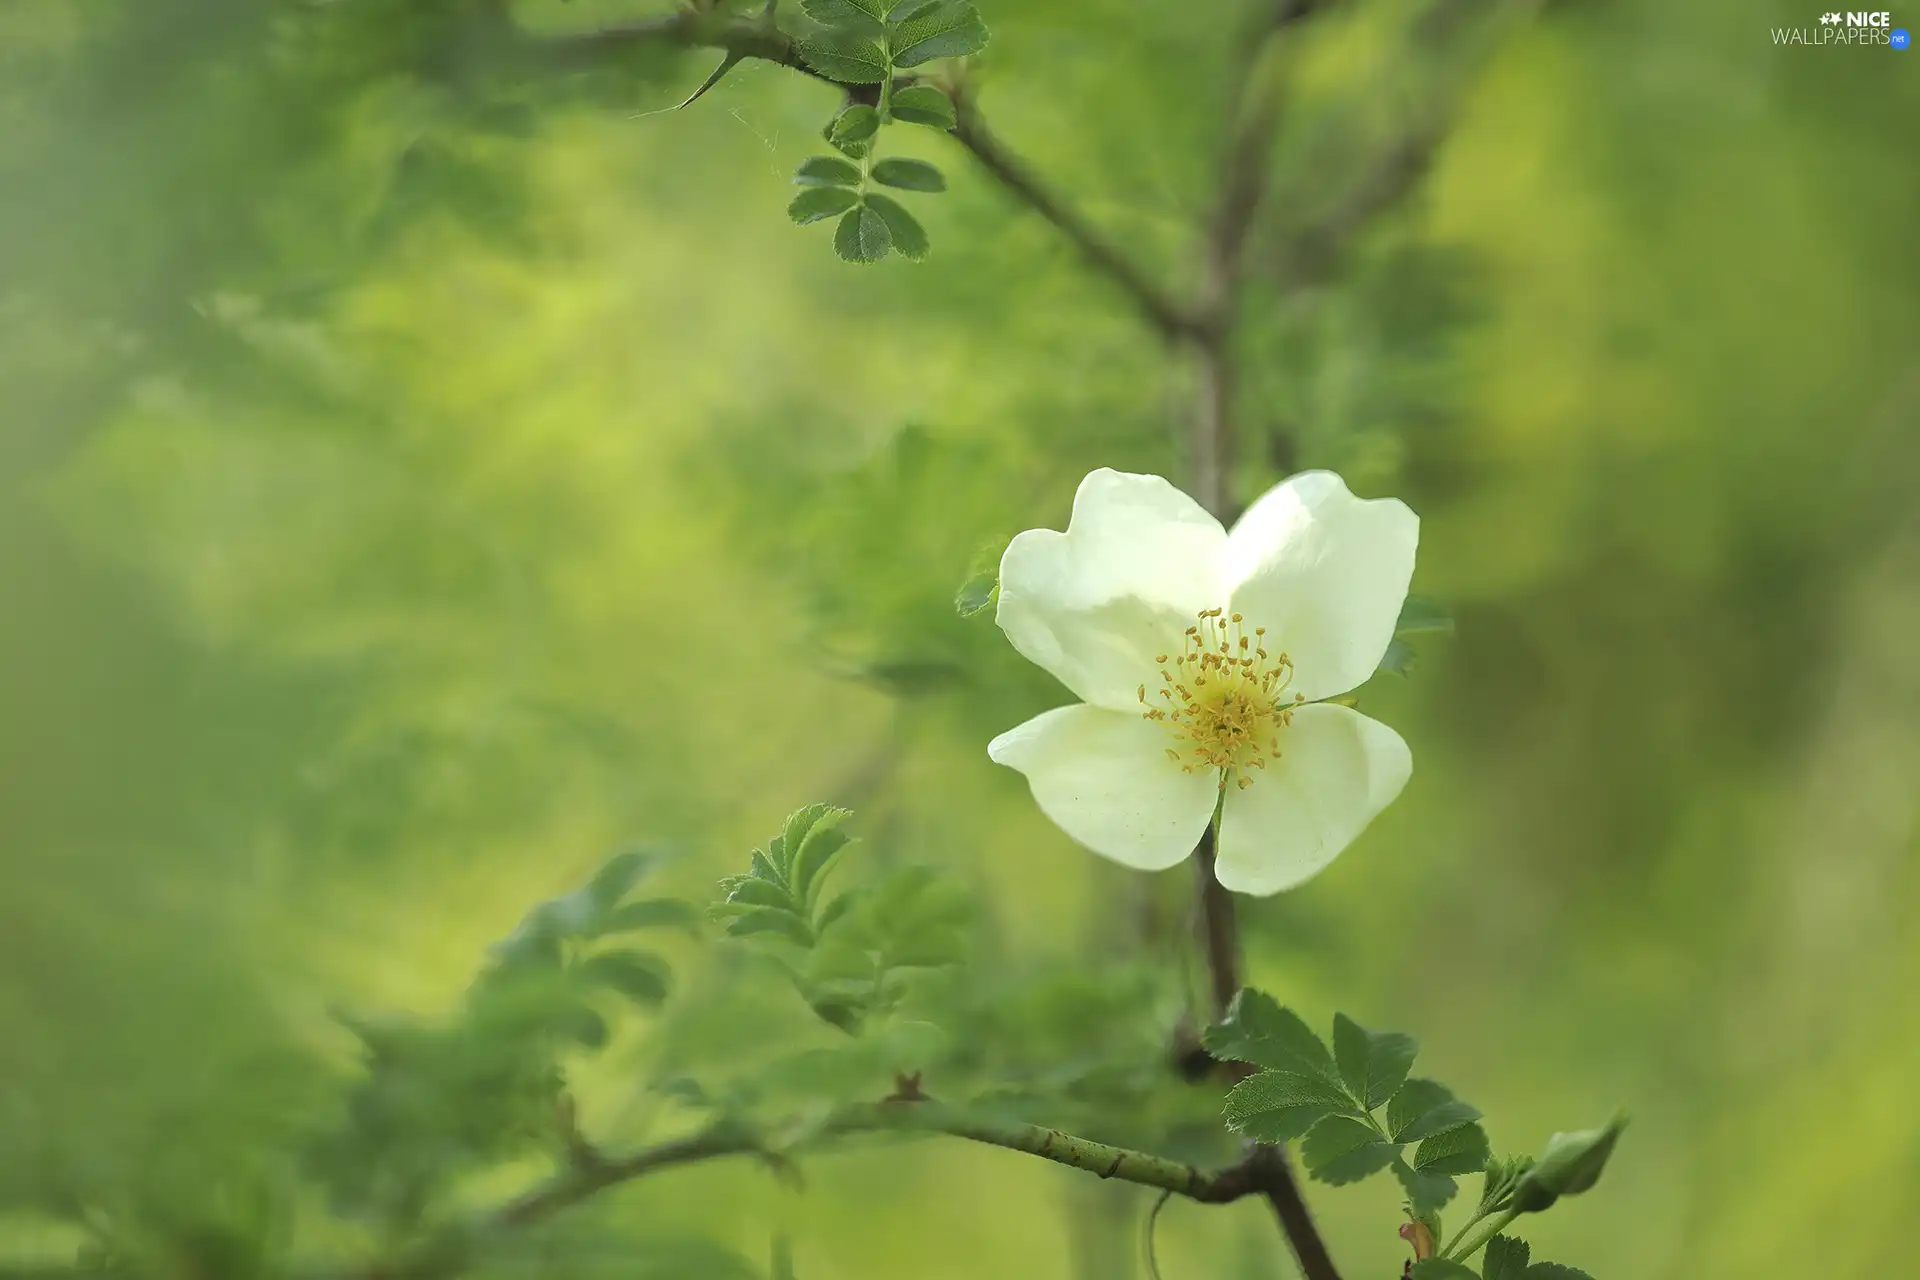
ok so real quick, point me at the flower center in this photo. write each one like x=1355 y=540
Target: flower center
x=1224 y=697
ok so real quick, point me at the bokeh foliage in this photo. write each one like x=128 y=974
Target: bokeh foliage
x=422 y=472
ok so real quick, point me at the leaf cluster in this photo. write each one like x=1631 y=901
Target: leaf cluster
x=1353 y=1106
x=441 y=1100
x=1356 y=1109
x=855 y=955
x=864 y=42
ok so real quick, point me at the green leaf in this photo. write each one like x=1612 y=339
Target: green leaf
x=855 y=18
x=650 y=913
x=1506 y=1259
x=1258 y=1030
x=1571 y=1163
x=856 y=124
x=1280 y=1106
x=909 y=175
x=846 y=59
x=1341 y=1149
x=1374 y=1064
x=745 y=922
x=827 y=171
x=1421 y=1108
x=1426 y=1192
x=908 y=10
x=978 y=593
x=1441 y=1269
x=1555 y=1271
x=951 y=30
x=908 y=236
x=816 y=203
x=862 y=236
x=1462 y=1150
x=639 y=977
x=616 y=876
x=813 y=840
x=1418 y=616
x=924 y=104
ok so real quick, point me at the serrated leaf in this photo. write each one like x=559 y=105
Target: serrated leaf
x=846 y=60
x=908 y=236
x=1426 y=1192
x=753 y=891
x=1506 y=1259
x=908 y=10
x=1374 y=1064
x=827 y=171
x=857 y=18
x=924 y=104
x=650 y=913
x=1555 y=1271
x=769 y=864
x=1341 y=1149
x=1570 y=1164
x=1258 y=1030
x=639 y=977
x=1462 y=1150
x=857 y=124
x=1421 y=1108
x=814 y=838
x=862 y=236
x=817 y=203
x=909 y=175
x=776 y=920
x=951 y=30
x=1280 y=1106
x=1441 y=1269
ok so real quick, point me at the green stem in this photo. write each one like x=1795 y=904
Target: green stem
x=455 y=1251
x=1460 y=1250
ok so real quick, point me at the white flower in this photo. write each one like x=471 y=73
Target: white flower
x=1201 y=658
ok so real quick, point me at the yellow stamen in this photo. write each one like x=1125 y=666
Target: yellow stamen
x=1230 y=717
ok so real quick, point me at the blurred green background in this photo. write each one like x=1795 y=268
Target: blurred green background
x=423 y=471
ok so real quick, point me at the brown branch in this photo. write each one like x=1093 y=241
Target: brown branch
x=1158 y=307
x=1253 y=118
x=687 y=29
x=761 y=40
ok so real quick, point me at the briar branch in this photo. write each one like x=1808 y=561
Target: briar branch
x=737 y=38
x=450 y=1253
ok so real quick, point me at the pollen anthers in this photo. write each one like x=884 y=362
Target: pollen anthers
x=1223 y=696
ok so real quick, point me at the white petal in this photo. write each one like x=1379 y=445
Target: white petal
x=1095 y=605
x=1104 y=778
x=1325 y=573
x=1337 y=769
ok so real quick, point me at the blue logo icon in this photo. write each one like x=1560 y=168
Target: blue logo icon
x=1899 y=38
